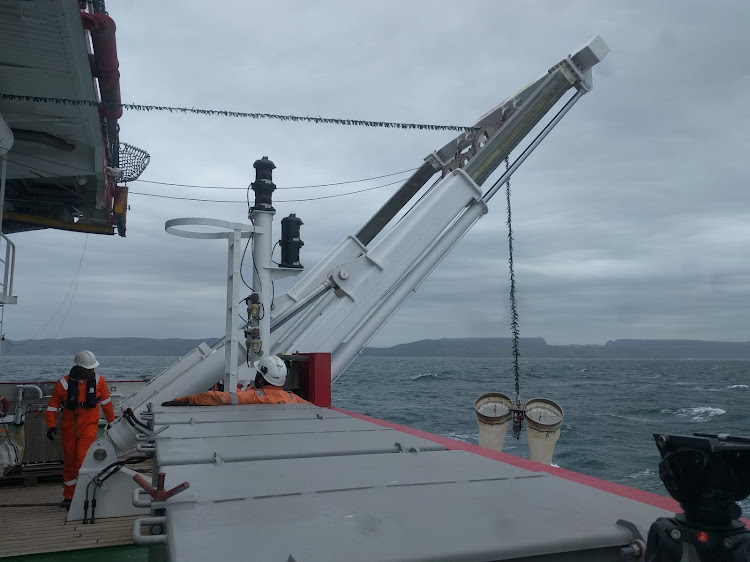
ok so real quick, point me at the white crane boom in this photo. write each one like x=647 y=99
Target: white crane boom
x=357 y=287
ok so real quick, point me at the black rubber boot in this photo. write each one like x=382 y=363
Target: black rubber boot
x=66 y=504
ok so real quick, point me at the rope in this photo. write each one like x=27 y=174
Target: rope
x=243 y=114
x=513 y=308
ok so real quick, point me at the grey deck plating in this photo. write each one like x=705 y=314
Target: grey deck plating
x=239 y=413
x=265 y=427
x=265 y=447
x=338 y=494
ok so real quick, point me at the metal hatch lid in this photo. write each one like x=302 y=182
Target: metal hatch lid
x=239 y=413
x=282 y=497
x=283 y=477
x=478 y=520
x=265 y=433
x=260 y=447
x=258 y=426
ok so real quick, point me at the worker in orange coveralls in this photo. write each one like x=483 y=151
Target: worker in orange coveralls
x=269 y=381
x=78 y=395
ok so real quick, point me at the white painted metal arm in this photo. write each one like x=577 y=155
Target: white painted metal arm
x=374 y=282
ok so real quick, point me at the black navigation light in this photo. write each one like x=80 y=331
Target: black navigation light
x=263 y=185
x=290 y=241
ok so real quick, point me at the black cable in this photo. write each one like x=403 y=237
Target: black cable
x=127 y=419
x=278 y=188
x=242 y=261
x=93 y=500
x=129 y=412
x=75 y=277
x=228 y=200
x=52 y=174
x=88 y=487
x=75 y=289
x=97 y=480
x=207 y=186
x=277 y=201
x=243 y=114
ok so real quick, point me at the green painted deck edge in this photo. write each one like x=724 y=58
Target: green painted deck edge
x=124 y=553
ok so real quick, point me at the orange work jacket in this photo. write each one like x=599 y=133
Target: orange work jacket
x=81 y=417
x=269 y=394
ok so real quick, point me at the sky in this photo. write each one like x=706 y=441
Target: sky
x=631 y=220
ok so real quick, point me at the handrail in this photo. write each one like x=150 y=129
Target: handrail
x=10 y=264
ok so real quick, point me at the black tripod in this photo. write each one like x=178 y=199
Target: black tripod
x=707 y=474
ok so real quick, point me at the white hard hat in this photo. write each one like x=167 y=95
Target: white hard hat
x=273 y=369
x=86 y=359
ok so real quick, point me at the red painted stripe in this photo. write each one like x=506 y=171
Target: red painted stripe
x=452 y=444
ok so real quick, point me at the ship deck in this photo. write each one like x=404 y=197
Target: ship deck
x=33 y=525
x=41 y=527
x=297 y=482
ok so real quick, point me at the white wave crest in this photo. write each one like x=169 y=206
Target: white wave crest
x=629 y=418
x=738 y=386
x=425 y=376
x=465 y=437
x=701 y=413
x=639 y=475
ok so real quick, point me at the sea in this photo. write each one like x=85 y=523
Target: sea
x=612 y=407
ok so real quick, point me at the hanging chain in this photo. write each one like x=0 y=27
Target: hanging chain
x=513 y=308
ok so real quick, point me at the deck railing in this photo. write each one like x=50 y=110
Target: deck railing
x=9 y=263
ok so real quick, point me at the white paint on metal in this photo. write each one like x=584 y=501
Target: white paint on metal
x=262 y=279
x=114 y=496
x=374 y=274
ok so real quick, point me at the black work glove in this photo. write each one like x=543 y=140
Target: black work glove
x=174 y=403
x=51 y=432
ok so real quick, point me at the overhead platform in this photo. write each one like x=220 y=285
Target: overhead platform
x=65 y=157
x=56 y=166
x=297 y=482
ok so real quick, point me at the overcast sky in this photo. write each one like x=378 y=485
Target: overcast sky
x=631 y=220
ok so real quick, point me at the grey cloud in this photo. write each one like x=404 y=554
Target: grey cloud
x=629 y=219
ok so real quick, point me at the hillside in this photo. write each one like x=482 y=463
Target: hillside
x=538 y=348
x=171 y=347
x=449 y=347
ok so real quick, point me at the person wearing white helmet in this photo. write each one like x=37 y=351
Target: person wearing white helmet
x=268 y=388
x=78 y=394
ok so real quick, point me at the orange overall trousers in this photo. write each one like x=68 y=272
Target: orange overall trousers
x=78 y=427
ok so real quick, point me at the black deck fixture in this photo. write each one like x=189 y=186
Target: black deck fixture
x=263 y=185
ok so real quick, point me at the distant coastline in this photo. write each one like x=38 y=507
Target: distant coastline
x=539 y=349
x=129 y=347
x=449 y=347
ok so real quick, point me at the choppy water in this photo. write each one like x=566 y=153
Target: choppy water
x=612 y=407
